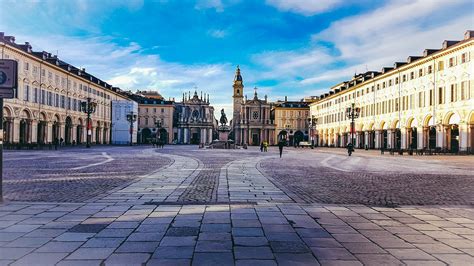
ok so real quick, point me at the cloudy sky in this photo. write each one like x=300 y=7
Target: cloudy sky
x=291 y=48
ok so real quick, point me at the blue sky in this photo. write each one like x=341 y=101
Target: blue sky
x=291 y=48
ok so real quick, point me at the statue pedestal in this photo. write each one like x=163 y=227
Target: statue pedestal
x=224 y=135
x=223 y=142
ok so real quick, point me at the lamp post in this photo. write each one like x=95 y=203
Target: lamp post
x=312 y=121
x=88 y=108
x=131 y=117
x=352 y=113
x=158 y=133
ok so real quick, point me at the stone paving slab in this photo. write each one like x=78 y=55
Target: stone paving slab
x=287 y=242
x=253 y=221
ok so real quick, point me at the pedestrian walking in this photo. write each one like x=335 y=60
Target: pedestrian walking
x=56 y=142
x=280 y=146
x=261 y=147
x=265 y=146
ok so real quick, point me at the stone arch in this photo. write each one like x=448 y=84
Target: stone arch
x=411 y=122
x=7 y=111
x=26 y=114
x=428 y=121
x=471 y=118
x=451 y=118
x=43 y=116
x=395 y=123
x=382 y=124
x=369 y=126
x=56 y=118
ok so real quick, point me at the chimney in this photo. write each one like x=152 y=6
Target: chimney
x=10 y=39
x=28 y=47
x=469 y=34
x=286 y=98
x=447 y=43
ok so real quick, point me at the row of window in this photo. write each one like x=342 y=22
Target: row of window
x=36 y=95
x=154 y=110
x=60 y=81
x=407 y=102
x=385 y=84
x=146 y=124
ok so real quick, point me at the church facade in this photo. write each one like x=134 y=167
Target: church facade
x=252 y=121
x=195 y=120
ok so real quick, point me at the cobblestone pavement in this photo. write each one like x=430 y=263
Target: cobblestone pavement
x=323 y=176
x=250 y=219
x=73 y=175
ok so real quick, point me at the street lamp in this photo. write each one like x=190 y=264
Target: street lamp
x=88 y=108
x=312 y=121
x=352 y=113
x=131 y=117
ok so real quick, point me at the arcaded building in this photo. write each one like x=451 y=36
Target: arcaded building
x=47 y=101
x=426 y=102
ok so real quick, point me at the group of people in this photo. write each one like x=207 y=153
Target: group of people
x=158 y=144
x=281 y=144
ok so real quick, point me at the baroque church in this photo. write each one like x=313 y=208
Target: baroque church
x=252 y=121
x=195 y=120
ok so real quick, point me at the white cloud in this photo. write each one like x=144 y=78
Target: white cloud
x=304 y=7
x=388 y=34
x=218 y=34
x=129 y=68
x=206 y=4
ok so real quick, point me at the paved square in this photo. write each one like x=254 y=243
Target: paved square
x=185 y=206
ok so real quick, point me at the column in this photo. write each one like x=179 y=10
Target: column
x=441 y=136
x=366 y=139
x=49 y=132
x=463 y=137
x=34 y=131
x=61 y=131
x=246 y=138
x=74 y=133
x=209 y=135
x=203 y=136
x=186 y=137
x=378 y=142
x=16 y=131
x=179 y=135
x=420 y=131
x=404 y=136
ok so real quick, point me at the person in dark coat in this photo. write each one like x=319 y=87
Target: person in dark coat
x=280 y=146
x=261 y=147
x=56 y=143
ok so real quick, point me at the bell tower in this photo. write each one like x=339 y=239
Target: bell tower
x=238 y=101
x=238 y=95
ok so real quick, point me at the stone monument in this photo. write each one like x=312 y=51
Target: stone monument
x=224 y=130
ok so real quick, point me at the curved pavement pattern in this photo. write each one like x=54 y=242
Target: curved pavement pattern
x=217 y=208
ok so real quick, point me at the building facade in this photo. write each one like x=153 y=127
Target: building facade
x=121 y=127
x=47 y=101
x=194 y=120
x=424 y=103
x=155 y=117
x=252 y=122
x=291 y=121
